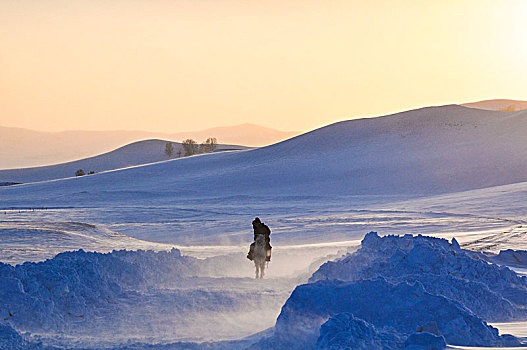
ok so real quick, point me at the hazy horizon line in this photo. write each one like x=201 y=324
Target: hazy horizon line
x=264 y=126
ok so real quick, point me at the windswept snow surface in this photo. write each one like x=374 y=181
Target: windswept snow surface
x=505 y=204
x=36 y=240
x=78 y=298
x=397 y=285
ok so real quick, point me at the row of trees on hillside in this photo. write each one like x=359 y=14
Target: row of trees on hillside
x=191 y=147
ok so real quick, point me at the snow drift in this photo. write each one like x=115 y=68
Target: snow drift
x=494 y=293
x=80 y=286
x=392 y=287
x=130 y=294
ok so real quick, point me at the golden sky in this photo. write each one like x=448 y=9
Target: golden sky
x=177 y=65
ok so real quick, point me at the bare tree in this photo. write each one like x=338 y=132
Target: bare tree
x=190 y=147
x=209 y=145
x=169 y=149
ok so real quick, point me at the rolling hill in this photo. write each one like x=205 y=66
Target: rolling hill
x=20 y=148
x=137 y=153
x=420 y=152
x=499 y=105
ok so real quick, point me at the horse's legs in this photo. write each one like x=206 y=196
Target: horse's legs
x=260 y=267
x=256 y=265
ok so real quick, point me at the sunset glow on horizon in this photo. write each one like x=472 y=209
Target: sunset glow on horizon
x=183 y=65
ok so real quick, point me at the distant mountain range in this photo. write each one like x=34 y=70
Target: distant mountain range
x=137 y=153
x=499 y=105
x=28 y=148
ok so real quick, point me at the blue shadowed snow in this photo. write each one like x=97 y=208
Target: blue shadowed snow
x=12 y=340
x=398 y=285
x=346 y=331
x=494 y=293
x=82 y=299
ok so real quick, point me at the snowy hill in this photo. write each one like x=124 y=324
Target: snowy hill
x=28 y=148
x=499 y=105
x=137 y=153
x=426 y=151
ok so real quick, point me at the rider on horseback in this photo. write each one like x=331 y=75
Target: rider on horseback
x=261 y=229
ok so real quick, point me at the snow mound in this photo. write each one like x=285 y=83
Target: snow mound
x=396 y=308
x=77 y=286
x=84 y=299
x=75 y=290
x=393 y=287
x=494 y=293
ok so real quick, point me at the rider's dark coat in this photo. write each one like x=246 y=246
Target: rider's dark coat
x=261 y=229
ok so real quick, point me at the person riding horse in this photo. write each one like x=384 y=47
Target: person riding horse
x=261 y=229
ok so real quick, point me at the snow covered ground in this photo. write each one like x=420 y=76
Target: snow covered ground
x=319 y=201
x=322 y=230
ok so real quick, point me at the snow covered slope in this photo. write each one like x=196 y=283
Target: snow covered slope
x=425 y=151
x=499 y=105
x=28 y=148
x=137 y=153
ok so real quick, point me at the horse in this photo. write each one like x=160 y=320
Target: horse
x=259 y=256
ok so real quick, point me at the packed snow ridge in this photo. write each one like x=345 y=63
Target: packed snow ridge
x=411 y=292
